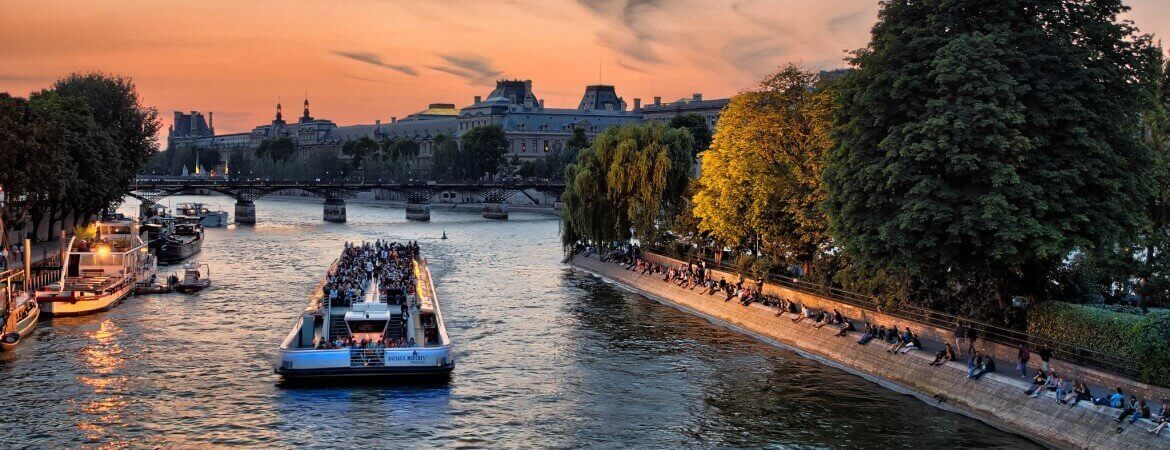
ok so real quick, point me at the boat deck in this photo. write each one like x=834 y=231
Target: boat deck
x=90 y=284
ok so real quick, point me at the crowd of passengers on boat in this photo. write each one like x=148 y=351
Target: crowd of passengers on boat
x=387 y=263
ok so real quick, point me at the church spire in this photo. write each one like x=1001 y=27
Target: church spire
x=306 y=117
x=279 y=117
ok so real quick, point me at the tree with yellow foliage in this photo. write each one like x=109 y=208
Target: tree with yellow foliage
x=760 y=178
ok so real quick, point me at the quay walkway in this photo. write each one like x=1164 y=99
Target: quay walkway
x=996 y=398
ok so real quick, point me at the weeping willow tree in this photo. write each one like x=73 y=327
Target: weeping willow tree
x=624 y=186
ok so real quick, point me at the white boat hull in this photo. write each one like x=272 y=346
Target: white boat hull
x=387 y=362
x=60 y=304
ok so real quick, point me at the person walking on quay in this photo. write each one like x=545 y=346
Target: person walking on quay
x=960 y=337
x=1045 y=354
x=1022 y=361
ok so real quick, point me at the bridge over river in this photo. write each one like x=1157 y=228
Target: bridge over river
x=418 y=194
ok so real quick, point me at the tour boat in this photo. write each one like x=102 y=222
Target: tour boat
x=308 y=352
x=194 y=280
x=99 y=272
x=204 y=215
x=21 y=318
x=184 y=241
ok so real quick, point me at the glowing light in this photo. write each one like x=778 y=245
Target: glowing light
x=103 y=251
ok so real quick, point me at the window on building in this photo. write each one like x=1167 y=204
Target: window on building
x=523 y=147
x=546 y=145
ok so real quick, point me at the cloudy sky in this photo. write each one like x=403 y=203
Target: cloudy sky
x=361 y=60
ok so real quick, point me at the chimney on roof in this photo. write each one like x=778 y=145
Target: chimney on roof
x=697 y=97
x=394 y=119
x=542 y=103
x=477 y=99
x=378 y=122
x=637 y=104
x=211 y=120
x=657 y=101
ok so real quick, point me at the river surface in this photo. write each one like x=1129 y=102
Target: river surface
x=546 y=357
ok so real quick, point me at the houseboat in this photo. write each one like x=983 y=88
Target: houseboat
x=184 y=240
x=98 y=271
x=375 y=315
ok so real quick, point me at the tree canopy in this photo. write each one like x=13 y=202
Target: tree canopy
x=978 y=144
x=697 y=125
x=624 y=186
x=72 y=149
x=761 y=176
x=281 y=149
x=483 y=150
x=359 y=149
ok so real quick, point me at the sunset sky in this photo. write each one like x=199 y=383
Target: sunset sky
x=361 y=60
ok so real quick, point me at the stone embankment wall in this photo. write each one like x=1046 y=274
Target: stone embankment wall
x=1002 y=353
x=996 y=399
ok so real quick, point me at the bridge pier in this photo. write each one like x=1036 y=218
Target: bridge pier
x=418 y=211
x=559 y=207
x=245 y=212
x=334 y=210
x=495 y=210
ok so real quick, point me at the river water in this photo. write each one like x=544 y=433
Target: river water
x=546 y=357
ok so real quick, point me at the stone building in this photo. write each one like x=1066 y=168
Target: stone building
x=533 y=131
x=663 y=112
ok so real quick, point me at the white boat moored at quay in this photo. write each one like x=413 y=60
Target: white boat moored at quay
x=99 y=272
x=375 y=315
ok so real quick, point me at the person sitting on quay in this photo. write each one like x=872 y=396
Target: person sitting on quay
x=1063 y=386
x=1040 y=383
x=905 y=339
x=805 y=313
x=1161 y=419
x=912 y=344
x=1114 y=400
x=846 y=327
x=870 y=333
x=947 y=354
x=1080 y=392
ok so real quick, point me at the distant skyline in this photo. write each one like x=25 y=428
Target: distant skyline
x=363 y=60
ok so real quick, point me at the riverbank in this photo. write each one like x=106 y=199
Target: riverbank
x=995 y=399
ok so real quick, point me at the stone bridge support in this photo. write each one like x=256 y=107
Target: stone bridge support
x=245 y=212
x=418 y=205
x=334 y=210
x=495 y=204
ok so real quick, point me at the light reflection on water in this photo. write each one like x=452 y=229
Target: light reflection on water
x=547 y=357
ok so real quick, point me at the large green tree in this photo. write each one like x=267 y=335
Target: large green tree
x=979 y=143
x=761 y=177
x=484 y=149
x=698 y=127
x=359 y=149
x=625 y=185
x=281 y=149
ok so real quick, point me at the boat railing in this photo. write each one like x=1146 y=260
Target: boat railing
x=366 y=357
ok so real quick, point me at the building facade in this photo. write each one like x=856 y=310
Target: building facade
x=533 y=131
